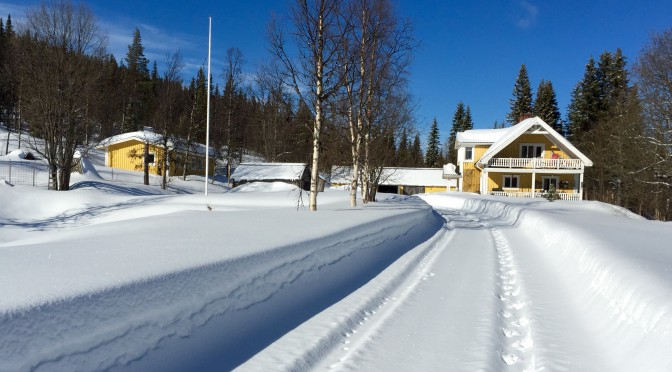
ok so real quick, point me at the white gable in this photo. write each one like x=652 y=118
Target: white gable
x=503 y=137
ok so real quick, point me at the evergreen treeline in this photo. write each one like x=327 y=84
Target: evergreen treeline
x=629 y=144
x=61 y=86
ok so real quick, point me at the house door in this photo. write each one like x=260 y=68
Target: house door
x=548 y=181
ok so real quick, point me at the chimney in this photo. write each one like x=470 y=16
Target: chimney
x=524 y=116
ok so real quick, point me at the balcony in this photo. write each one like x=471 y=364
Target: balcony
x=538 y=194
x=535 y=163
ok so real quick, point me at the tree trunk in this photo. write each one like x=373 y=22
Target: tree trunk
x=146 y=163
x=356 y=142
x=314 y=171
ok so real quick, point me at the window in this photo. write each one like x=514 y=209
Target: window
x=468 y=153
x=511 y=182
x=530 y=150
x=150 y=158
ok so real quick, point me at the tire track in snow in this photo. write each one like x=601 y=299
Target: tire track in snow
x=517 y=340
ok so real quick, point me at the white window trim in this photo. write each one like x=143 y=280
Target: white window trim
x=520 y=148
x=465 y=153
x=512 y=177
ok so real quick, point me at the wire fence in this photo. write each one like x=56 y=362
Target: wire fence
x=25 y=172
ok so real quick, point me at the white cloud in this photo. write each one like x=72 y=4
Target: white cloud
x=527 y=16
x=18 y=12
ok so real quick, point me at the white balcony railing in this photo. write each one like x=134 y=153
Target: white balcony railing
x=535 y=163
x=539 y=194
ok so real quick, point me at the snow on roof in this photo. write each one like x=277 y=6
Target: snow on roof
x=413 y=177
x=141 y=135
x=529 y=124
x=396 y=176
x=18 y=155
x=484 y=136
x=268 y=171
x=149 y=136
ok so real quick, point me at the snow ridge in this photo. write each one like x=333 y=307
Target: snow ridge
x=619 y=289
x=246 y=303
x=357 y=317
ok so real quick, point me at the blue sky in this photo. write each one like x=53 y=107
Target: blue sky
x=471 y=51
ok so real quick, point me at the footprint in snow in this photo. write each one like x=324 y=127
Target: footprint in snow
x=510 y=359
x=510 y=333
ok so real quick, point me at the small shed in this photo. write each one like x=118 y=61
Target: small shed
x=297 y=174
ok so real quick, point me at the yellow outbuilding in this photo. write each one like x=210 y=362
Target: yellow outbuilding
x=127 y=151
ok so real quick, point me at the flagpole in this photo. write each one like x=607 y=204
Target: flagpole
x=207 y=120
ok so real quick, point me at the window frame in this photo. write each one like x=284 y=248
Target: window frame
x=151 y=154
x=511 y=177
x=468 y=153
x=536 y=146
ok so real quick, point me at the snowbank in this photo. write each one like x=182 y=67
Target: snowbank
x=614 y=263
x=265 y=187
x=14 y=155
x=106 y=295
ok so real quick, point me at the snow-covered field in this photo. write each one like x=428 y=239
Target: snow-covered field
x=120 y=276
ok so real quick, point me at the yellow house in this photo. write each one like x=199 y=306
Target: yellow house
x=127 y=151
x=525 y=160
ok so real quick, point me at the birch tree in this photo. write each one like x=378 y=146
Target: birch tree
x=376 y=55
x=62 y=43
x=314 y=72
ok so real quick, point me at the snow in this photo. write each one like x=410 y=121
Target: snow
x=482 y=136
x=268 y=171
x=149 y=136
x=15 y=155
x=121 y=276
x=397 y=176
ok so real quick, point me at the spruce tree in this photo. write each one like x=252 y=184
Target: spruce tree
x=521 y=103
x=9 y=83
x=457 y=126
x=583 y=110
x=546 y=106
x=135 y=58
x=136 y=84
x=403 y=152
x=416 y=152
x=432 y=154
x=468 y=122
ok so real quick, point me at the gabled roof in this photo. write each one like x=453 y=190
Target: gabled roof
x=149 y=136
x=268 y=171
x=531 y=125
x=480 y=136
x=393 y=176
